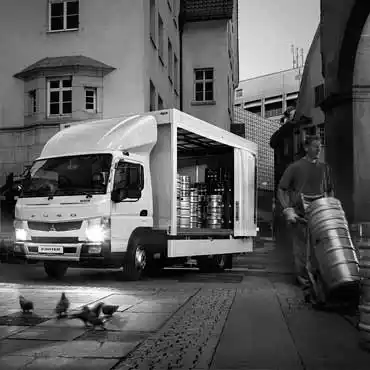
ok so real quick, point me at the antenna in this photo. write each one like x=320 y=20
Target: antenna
x=302 y=57
x=292 y=50
x=297 y=57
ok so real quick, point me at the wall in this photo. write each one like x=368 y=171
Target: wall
x=156 y=70
x=205 y=46
x=110 y=31
x=361 y=129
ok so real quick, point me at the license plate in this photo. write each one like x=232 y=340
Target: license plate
x=51 y=250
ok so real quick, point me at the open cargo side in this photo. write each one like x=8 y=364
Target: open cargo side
x=191 y=147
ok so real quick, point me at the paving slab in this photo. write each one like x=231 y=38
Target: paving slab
x=14 y=362
x=63 y=363
x=6 y=331
x=49 y=333
x=22 y=347
x=155 y=306
x=63 y=323
x=90 y=349
x=325 y=340
x=256 y=335
x=145 y=322
x=124 y=301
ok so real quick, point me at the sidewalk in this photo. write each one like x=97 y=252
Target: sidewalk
x=260 y=323
x=269 y=327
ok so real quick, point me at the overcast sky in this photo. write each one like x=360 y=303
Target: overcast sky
x=268 y=28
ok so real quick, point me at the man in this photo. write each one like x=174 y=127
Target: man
x=303 y=181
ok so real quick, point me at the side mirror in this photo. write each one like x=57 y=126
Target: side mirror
x=17 y=188
x=117 y=195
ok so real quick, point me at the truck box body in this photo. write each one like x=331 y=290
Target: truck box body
x=166 y=143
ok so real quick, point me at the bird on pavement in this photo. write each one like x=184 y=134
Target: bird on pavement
x=62 y=306
x=109 y=310
x=83 y=315
x=26 y=305
x=97 y=309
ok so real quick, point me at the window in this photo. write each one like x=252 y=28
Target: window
x=129 y=177
x=239 y=93
x=170 y=61
x=60 y=96
x=273 y=109
x=152 y=97
x=321 y=133
x=160 y=38
x=63 y=15
x=203 y=84
x=175 y=72
x=90 y=99
x=32 y=102
x=319 y=94
x=152 y=21
x=160 y=102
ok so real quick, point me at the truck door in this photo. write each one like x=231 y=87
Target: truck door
x=133 y=210
x=244 y=193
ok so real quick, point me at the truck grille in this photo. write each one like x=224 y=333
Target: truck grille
x=57 y=226
x=54 y=240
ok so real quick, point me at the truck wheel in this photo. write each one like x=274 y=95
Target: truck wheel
x=135 y=262
x=55 y=270
x=215 y=263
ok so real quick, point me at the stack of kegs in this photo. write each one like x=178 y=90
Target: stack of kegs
x=333 y=247
x=202 y=196
x=183 y=201
x=195 y=209
x=214 y=211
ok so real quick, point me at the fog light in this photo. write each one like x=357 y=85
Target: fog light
x=17 y=248
x=94 y=249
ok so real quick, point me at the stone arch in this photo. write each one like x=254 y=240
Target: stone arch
x=351 y=38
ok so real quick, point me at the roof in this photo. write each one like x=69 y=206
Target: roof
x=52 y=63
x=198 y=10
x=135 y=134
x=269 y=85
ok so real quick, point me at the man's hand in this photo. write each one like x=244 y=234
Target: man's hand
x=290 y=215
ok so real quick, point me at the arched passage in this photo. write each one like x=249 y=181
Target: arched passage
x=361 y=124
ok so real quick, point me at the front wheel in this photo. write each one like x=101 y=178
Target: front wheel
x=135 y=262
x=55 y=270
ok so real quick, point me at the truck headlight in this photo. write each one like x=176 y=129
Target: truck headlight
x=98 y=229
x=20 y=230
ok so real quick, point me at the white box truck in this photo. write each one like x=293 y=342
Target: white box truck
x=104 y=194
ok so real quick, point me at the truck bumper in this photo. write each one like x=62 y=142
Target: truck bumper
x=82 y=254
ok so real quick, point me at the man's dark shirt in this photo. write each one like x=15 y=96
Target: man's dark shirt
x=304 y=177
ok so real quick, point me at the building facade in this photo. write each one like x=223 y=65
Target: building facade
x=269 y=95
x=210 y=55
x=71 y=60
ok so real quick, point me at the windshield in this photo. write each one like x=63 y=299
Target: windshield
x=74 y=175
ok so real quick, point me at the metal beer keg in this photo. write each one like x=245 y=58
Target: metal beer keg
x=183 y=201
x=214 y=211
x=332 y=242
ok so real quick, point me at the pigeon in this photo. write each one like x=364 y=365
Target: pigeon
x=83 y=315
x=25 y=304
x=109 y=310
x=62 y=306
x=97 y=309
x=95 y=321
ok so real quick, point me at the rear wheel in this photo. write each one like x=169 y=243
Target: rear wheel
x=55 y=270
x=216 y=263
